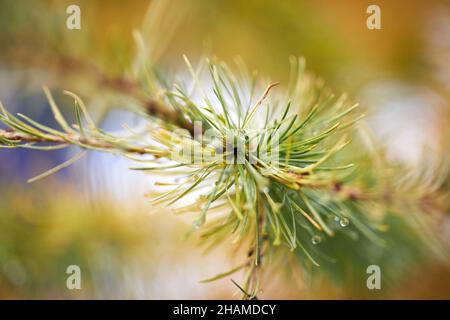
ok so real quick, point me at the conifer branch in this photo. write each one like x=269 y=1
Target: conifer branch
x=269 y=177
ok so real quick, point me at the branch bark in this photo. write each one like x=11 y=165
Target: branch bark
x=18 y=137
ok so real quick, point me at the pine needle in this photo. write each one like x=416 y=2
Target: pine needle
x=59 y=167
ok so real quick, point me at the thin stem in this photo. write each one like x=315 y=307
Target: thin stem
x=69 y=64
x=74 y=139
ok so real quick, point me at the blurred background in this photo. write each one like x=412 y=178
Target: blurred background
x=94 y=214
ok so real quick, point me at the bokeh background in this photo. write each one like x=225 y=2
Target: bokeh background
x=94 y=214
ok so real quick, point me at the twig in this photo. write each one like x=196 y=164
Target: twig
x=68 y=64
x=75 y=139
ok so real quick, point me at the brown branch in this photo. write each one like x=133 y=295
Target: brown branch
x=125 y=85
x=18 y=137
x=68 y=64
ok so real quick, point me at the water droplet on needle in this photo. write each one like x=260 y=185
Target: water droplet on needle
x=344 y=222
x=316 y=239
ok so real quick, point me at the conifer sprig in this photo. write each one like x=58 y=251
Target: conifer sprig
x=259 y=160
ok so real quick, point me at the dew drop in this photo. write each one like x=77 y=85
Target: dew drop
x=197 y=225
x=343 y=222
x=316 y=239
